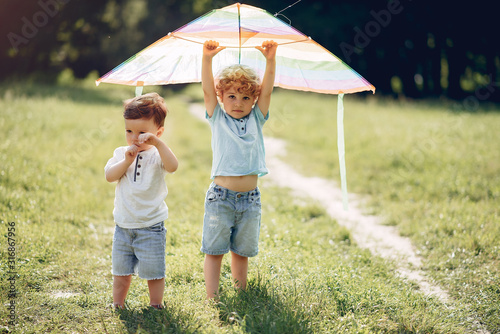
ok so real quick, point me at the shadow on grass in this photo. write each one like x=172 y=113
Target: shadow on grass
x=150 y=320
x=80 y=91
x=77 y=92
x=261 y=309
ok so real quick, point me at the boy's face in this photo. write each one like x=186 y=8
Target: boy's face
x=135 y=127
x=237 y=105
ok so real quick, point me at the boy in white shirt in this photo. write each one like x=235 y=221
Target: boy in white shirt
x=140 y=209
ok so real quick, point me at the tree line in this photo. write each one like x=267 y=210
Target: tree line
x=416 y=49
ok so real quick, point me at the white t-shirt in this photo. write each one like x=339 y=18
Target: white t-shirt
x=140 y=193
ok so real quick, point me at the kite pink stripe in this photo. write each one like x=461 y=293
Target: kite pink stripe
x=331 y=86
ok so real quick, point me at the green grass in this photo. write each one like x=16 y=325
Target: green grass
x=309 y=276
x=429 y=170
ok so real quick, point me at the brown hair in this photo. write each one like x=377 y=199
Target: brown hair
x=146 y=106
x=238 y=74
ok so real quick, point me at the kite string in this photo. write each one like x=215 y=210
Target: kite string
x=279 y=13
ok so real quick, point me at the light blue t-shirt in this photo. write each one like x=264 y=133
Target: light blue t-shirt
x=237 y=144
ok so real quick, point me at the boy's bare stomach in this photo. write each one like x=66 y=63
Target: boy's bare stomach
x=237 y=183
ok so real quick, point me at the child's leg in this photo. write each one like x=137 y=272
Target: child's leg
x=156 y=289
x=211 y=270
x=239 y=270
x=121 y=284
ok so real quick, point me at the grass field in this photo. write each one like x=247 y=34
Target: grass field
x=431 y=172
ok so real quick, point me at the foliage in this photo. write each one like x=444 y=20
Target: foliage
x=416 y=49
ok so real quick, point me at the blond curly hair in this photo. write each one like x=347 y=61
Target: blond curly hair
x=241 y=75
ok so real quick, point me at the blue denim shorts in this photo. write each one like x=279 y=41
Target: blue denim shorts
x=139 y=251
x=231 y=222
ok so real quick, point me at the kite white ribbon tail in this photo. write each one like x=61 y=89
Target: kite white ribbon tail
x=341 y=149
x=138 y=90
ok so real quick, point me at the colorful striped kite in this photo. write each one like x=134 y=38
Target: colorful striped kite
x=301 y=63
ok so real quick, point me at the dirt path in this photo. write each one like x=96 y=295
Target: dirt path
x=366 y=230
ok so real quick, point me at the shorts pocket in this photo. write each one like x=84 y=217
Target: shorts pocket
x=212 y=196
x=255 y=198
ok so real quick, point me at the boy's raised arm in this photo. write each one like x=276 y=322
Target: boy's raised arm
x=268 y=49
x=210 y=49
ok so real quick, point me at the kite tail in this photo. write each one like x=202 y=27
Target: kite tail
x=138 y=88
x=341 y=149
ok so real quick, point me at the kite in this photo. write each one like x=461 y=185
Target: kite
x=301 y=63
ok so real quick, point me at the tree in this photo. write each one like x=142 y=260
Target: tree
x=433 y=48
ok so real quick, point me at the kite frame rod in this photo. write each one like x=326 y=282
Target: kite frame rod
x=240 y=47
x=239 y=34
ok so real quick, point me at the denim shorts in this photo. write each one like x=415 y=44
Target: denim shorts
x=139 y=251
x=231 y=222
